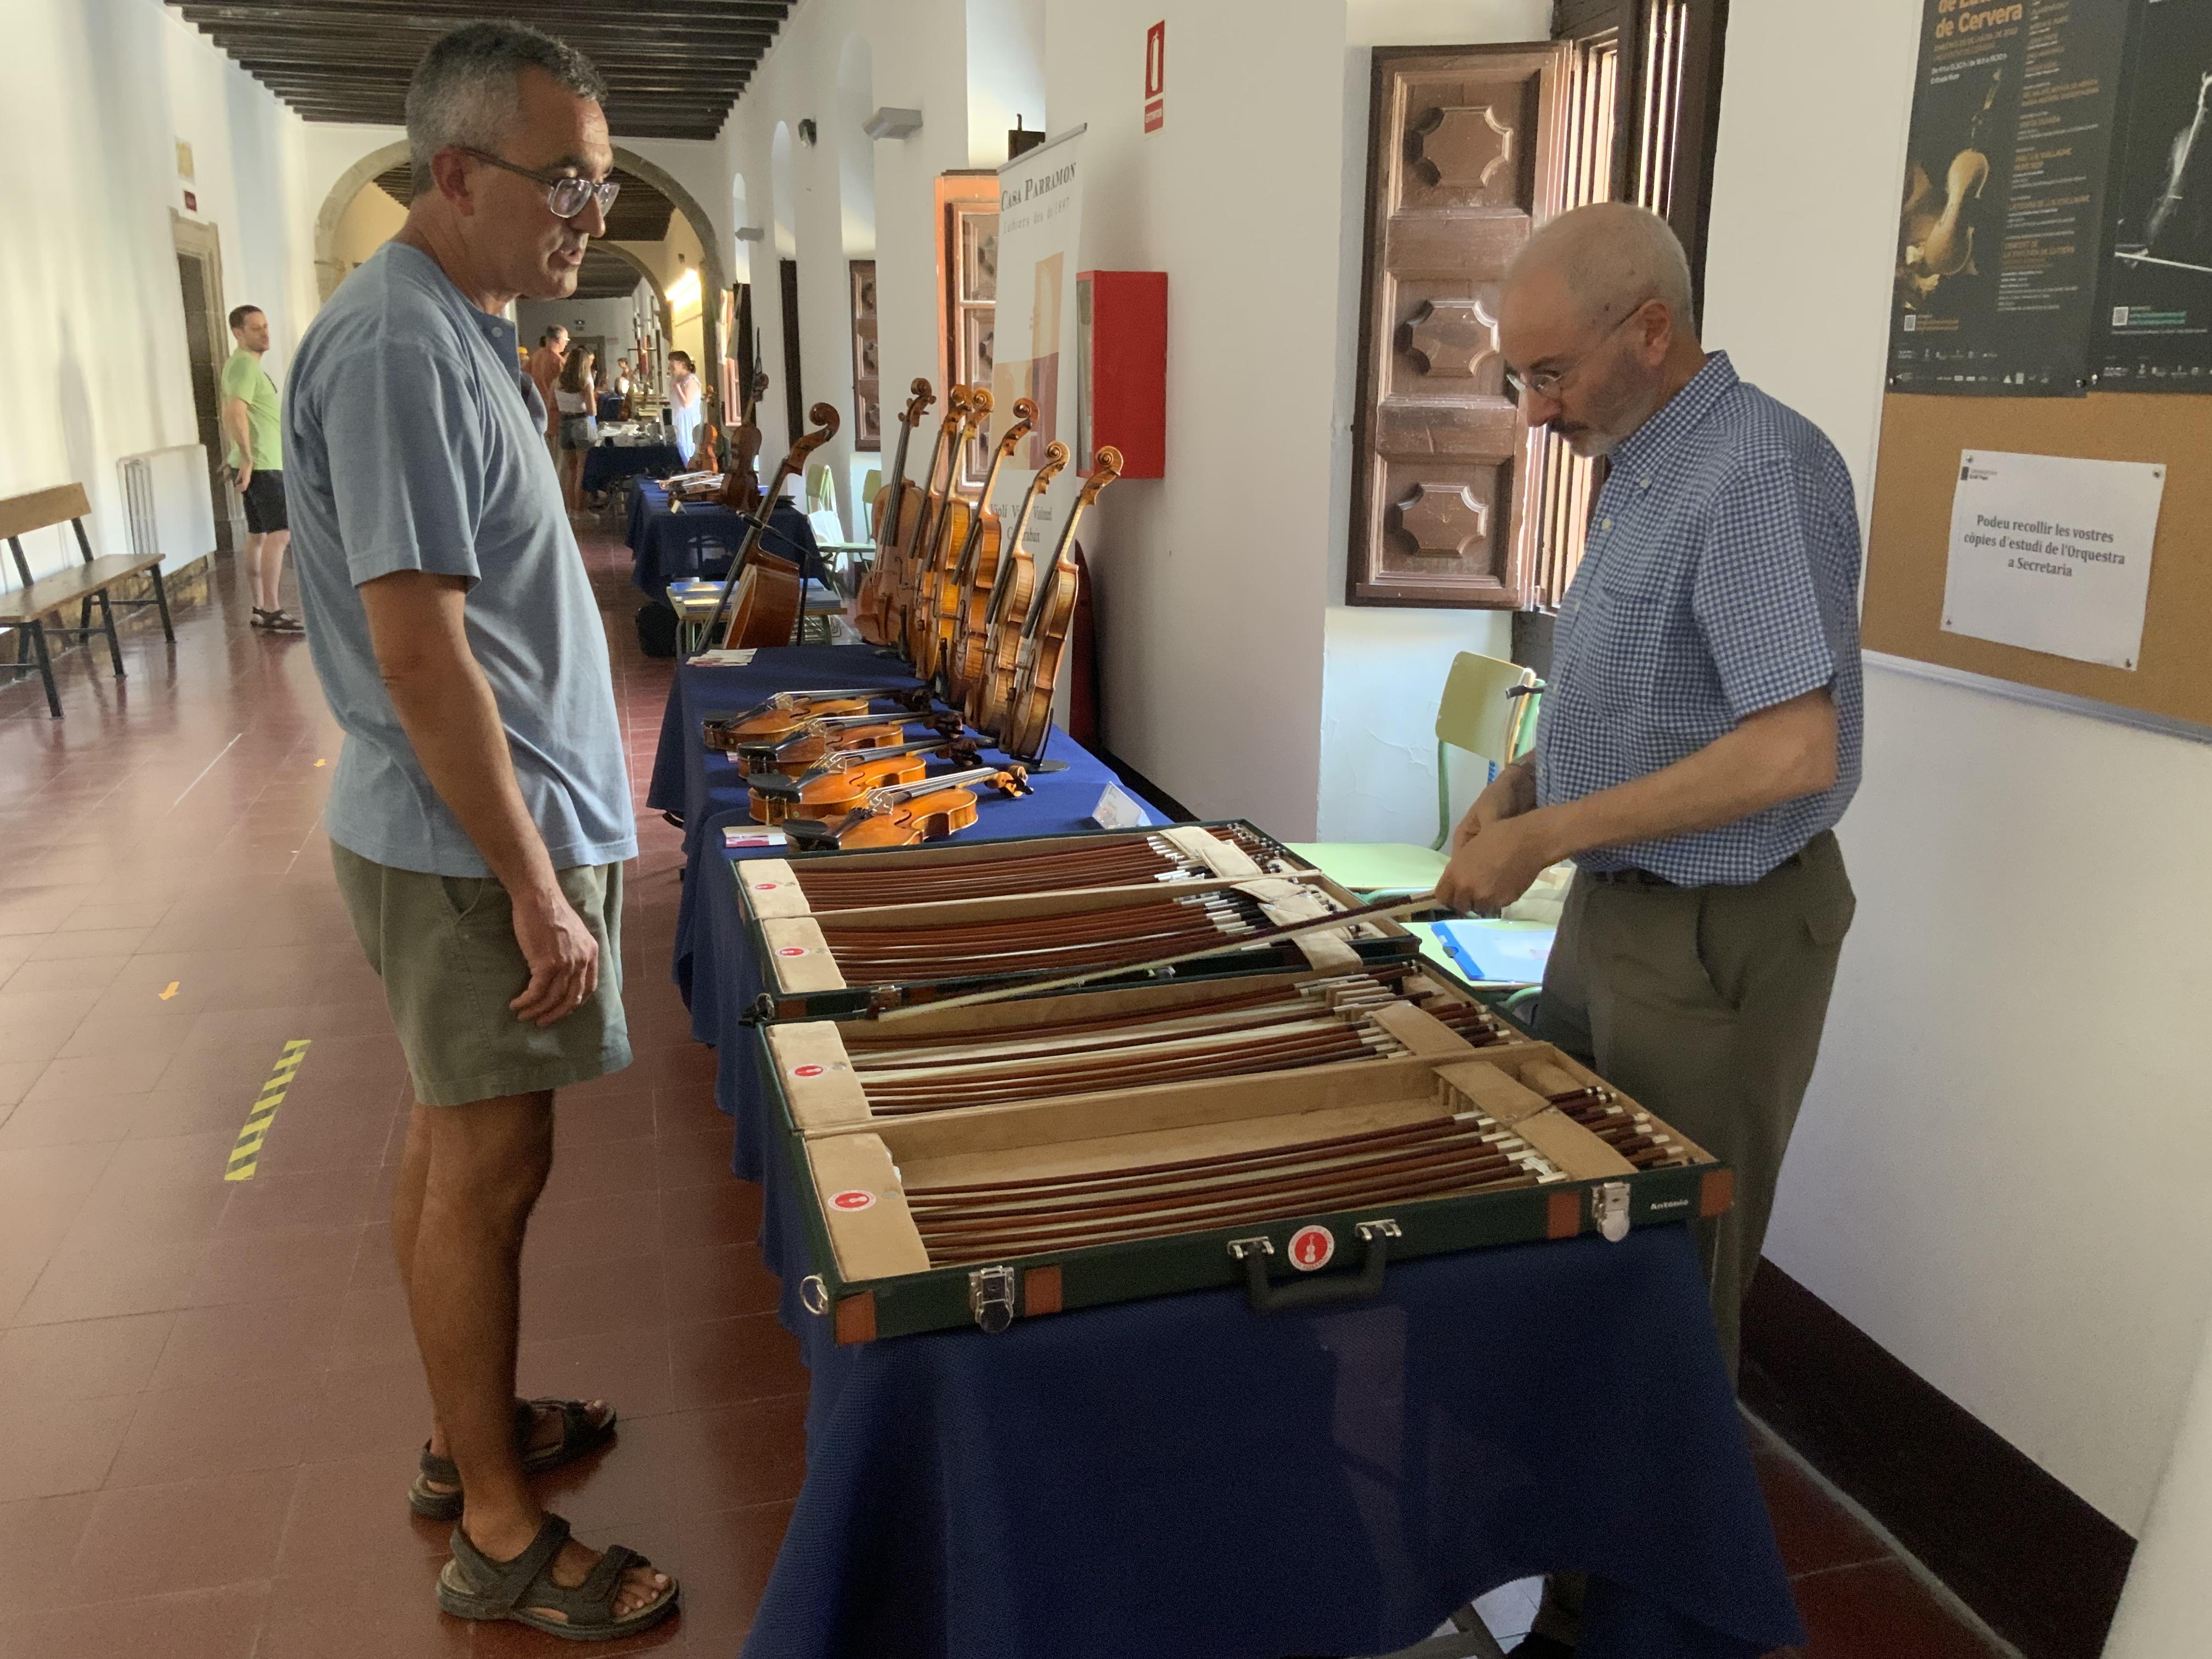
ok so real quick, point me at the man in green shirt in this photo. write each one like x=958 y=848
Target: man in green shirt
x=254 y=449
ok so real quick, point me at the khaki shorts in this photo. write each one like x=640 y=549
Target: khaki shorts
x=445 y=947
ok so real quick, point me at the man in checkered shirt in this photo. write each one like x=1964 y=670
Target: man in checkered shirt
x=1700 y=734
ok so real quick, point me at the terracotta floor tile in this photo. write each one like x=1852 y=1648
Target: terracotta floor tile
x=377 y=1612
x=117 y=1071
x=98 y=914
x=248 y=1342
x=262 y=1266
x=214 y=1623
x=88 y=942
x=1816 y=1533
x=195 y=1534
x=381 y=1408
x=373 y=1327
x=581 y=1123
x=64 y=1446
x=590 y=1297
x=726 y=1457
x=38 y=1537
x=602 y=1170
x=16 y=1077
x=584 y=1229
x=724 y=1560
x=701 y=1158
x=278 y=1199
x=217 y=1428
x=629 y=1370
x=726 y=1212
x=351 y=1516
x=84 y=1360
x=1881 y=1612
x=72 y=1123
x=722 y=1361
x=717 y=1282
x=73 y=973
x=120 y=1279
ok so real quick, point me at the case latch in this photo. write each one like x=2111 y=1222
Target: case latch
x=991 y=1297
x=1610 y=1210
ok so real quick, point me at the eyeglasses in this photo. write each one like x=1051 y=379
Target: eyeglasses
x=1547 y=382
x=564 y=195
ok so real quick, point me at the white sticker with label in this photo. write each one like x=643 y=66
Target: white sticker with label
x=1119 y=810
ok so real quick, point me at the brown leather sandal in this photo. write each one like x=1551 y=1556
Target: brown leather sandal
x=436 y=1493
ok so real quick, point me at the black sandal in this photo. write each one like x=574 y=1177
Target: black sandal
x=474 y=1586
x=580 y=1432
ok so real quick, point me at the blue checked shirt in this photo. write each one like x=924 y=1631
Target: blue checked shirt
x=1722 y=578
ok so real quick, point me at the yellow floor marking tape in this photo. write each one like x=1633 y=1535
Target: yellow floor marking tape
x=245 y=1156
x=172 y=990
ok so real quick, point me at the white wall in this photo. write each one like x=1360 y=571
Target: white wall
x=1997 y=1175
x=98 y=93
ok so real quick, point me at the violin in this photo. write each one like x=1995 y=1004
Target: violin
x=837 y=783
x=768 y=590
x=898 y=508
x=963 y=596
x=907 y=814
x=899 y=590
x=786 y=711
x=1028 y=719
x=800 y=748
x=992 y=650
x=948 y=529
x=1938 y=242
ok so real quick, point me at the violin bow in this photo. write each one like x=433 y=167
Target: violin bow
x=904 y=1010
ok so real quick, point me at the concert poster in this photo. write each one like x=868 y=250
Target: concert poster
x=2156 y=307
x=1998 y=236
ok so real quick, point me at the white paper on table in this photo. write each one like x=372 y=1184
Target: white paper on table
x=2052 y=553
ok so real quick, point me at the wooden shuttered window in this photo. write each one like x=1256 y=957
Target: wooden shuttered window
x=1456 y=503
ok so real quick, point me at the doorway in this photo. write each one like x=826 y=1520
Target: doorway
x=794 y=405
x=207 y=341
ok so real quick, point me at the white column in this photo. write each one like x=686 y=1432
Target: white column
x=2166 y=1606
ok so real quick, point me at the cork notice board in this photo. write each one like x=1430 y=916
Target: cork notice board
x=1909 y=541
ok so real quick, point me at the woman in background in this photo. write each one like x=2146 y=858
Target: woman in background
x=574 y=399
x=684 y=405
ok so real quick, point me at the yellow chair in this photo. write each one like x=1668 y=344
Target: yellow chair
x=821 y=488
x=1488 y=709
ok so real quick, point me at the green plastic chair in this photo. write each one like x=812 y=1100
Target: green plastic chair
x=1479 y=713
x=821 y=488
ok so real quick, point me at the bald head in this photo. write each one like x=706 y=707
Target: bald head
x=1594 y=322
x=1608 y=258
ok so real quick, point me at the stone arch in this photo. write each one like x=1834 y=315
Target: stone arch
x=714 y=272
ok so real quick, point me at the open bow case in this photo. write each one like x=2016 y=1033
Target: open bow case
x=844 y=933
x=1291 y=1132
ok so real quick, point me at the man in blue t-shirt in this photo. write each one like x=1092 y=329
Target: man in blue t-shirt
x=480 y=815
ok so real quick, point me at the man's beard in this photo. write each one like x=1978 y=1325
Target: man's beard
x=1627 y=407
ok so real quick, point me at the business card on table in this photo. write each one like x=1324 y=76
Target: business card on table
x=735 y=835
x=1116 y=810
x=723 y=658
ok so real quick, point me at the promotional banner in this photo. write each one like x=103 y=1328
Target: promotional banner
x=1999 y=237
x=2158 y=283
x=1040 y=224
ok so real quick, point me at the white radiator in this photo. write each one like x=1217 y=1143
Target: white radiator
x=168 y=508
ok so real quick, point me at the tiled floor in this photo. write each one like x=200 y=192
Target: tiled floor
x=208 y=1397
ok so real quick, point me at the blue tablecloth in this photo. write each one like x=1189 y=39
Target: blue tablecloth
x=610 y=463
x=665 y=545
x=708 y=790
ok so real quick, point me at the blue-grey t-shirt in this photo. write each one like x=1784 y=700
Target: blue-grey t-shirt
x=414 y=442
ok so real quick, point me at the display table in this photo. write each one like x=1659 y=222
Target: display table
x=701 y=786
x=665 y=544
x=610 y=463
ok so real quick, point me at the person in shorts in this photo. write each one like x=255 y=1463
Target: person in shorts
x=480 y=815
x=253 y=448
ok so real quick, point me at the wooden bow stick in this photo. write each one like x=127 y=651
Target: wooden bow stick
x=1260 y=935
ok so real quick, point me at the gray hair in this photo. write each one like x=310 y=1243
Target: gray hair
x=466 y=90
x=1613 y=258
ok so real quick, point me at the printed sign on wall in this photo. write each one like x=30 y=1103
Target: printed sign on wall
x=1156 y=77
x=1040 y=222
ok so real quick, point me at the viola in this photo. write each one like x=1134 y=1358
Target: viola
x=992 y=647
x=800 y=748
x=786 y=711
x=898 y=592
x=949 y=530
x=898 y=508
x=1028 y=719
x=837 y=783
x=767 y=591
x=962 y=598
x=907 y=814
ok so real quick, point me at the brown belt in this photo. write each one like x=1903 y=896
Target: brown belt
x=1629 y=878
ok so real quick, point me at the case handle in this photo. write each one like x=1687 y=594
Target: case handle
x=1267 y=1296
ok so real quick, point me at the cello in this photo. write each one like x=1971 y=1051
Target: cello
x=898 y=590
x=1011 y=587
x=897 y=506
x=948 y=529
x=767 y=591
x=907 y=814
x=1028 y=719
x=962 y=590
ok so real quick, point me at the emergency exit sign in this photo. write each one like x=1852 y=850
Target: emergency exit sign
x=1155 y=75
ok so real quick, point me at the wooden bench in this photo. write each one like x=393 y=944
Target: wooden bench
x=25 y=609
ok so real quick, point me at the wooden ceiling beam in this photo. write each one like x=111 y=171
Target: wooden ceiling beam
x=451 y=14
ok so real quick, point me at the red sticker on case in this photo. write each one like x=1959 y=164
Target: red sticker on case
x=1311 y=1248
x=854 y=1200
x=766 y=886
x=792 y=950
x=806 y=1071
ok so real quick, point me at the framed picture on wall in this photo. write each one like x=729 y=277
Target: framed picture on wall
x=867 y=382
